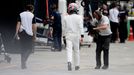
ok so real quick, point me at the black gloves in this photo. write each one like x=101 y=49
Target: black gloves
x=82 y=36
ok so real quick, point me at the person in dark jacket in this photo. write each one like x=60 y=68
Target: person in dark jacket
x=123 y=24
x=57 y=28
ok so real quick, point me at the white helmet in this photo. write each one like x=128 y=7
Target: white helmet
x=73 y=7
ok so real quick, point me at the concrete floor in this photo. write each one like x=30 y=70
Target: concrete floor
x=43 y=61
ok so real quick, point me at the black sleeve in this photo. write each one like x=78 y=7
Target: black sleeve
x=19 y=19
x=34 y=21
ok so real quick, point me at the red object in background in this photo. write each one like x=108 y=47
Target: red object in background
x=131 y=35
x=47 y=12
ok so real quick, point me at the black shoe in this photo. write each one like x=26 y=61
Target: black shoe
x=89 y=45
x=77 y=67
x=7 y=58
x=56 y=50
x=23 y=66
x=69 y=66
x=105 y=67
x=113 y=42
x=122 y=42
x=97 y=67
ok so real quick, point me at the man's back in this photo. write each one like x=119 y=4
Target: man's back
x=57 y=22
x=113 y=15
x=73 y=24
x=26 y=21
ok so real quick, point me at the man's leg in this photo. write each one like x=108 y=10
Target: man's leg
x=106 y=52
x=69 y=54
x=98 y=53
x=76 y=53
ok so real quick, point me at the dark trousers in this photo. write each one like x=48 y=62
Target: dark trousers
x=123 y=31
x=57 y=42
x=103 y=44
x=114 y=29
x=26 y=46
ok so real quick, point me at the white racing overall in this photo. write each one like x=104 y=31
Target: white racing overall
x=72 y=29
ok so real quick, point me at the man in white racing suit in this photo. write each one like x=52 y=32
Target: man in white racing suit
x=73 y=31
